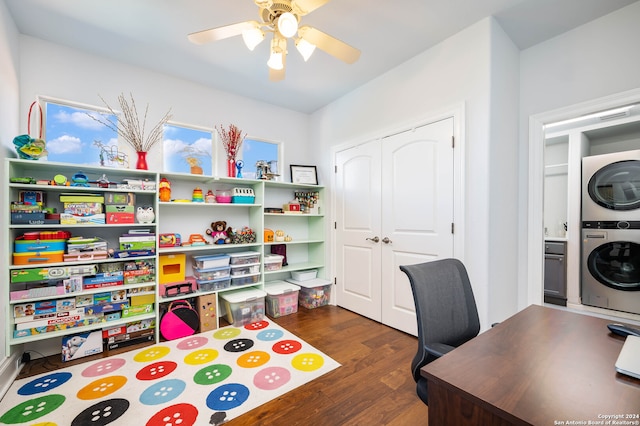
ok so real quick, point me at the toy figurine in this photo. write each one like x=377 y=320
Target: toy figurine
x=145 y=214
x=197 y=196
x=239 y=166
x=80 y=179
x=218 y=232
x=165 y=190
x=210 y=198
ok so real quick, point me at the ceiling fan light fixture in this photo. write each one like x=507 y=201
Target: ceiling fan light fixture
x=287 y=24
x=275 y=61
x=305 y=48
x=252 y=36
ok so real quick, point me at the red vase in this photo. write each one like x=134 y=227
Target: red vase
x=231 y=168
x=141 y=164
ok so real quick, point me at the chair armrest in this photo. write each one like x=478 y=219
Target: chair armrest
x=438 y=349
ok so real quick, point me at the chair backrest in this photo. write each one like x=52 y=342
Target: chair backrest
x=445 y=307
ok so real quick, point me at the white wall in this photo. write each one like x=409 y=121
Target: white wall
x=595 y=60
x=9 y=128
x=65 y=73
x=459 y=70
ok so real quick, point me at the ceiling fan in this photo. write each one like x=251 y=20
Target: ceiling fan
x=282 y=18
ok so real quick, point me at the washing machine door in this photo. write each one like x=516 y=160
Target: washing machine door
x=616 y=264
x=616 y=186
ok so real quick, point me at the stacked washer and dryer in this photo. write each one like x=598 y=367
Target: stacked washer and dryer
x=611 y=231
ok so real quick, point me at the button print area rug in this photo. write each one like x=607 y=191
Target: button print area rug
x=207 y=378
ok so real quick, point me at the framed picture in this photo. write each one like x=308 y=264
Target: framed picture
x=304 y=174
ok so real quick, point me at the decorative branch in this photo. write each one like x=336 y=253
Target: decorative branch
x=128 y=127
x=231 y=140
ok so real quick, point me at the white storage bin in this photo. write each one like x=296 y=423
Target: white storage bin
x=309 y=274
x=313 y=293
x=244 y=258
x=213 y=261
x=245 y=279
x=244 y=306
x=211 y=274
x=282 y=298
x=242 y=270
x=273 y=262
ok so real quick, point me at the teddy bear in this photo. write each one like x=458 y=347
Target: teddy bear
x=219 y=232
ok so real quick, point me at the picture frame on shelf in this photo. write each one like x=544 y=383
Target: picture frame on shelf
x=307 y=175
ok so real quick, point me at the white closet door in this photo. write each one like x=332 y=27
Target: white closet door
x=417 y=212
x=394 y=206
x=358 y=225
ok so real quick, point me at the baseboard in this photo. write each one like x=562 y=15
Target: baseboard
x=9 y=370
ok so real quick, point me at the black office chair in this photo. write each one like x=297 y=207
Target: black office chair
x=445 y=309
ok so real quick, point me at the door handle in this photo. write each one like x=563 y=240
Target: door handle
x=386 y=240
x=374 y=239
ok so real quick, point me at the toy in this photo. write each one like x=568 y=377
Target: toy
x=197 y=196
x=72 y=346
x=170 y=240
x=80 y=179
x=145 y=214
x=196 y=240
x=165 y=190
x=60 y=180
x=219 y=232
x=239 y=166
x=210 y=198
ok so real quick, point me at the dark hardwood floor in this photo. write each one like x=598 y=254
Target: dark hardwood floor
x=372 y=387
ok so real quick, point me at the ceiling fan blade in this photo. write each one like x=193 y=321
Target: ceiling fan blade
x=278 y=75
x=331 y=45
x=308 y=6
x=220 y=33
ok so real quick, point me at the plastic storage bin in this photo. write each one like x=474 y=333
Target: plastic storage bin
x=313 y=293
x=282 y=298
x=244 y=257
x=273 y=262
x=309 y=274
x=243 y=196
x=245 y=279
x=211 y=285
x=209 y=262
x=212 y=273
x=241 y=270
x=244 y=306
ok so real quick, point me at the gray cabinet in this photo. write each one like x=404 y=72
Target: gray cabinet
x=555 y=273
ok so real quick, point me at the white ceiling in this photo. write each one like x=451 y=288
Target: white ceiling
x=153 y=34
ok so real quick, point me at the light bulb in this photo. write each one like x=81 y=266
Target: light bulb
x=275 y=61
x=305 y=48
x=287 y=24
x=252 y=37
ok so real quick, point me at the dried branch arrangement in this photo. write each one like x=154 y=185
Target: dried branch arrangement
x=231 y=140
x=129 y=128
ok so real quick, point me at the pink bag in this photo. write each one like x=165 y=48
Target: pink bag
x=180 y=320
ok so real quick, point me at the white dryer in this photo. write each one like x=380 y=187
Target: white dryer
x=611 y=187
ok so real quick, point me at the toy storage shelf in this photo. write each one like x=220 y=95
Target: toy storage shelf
x=183 y=216
x=304 y=232
x=189 y=215
x=38 y=178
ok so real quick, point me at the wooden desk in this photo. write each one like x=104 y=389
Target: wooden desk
x=542 y=366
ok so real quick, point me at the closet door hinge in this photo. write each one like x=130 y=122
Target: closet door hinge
x=335 y=169
x=335 y=281
x=453 y=141
x=335 y=225
x=452 y=228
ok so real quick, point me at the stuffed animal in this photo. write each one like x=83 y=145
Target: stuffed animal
x=219 y=232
